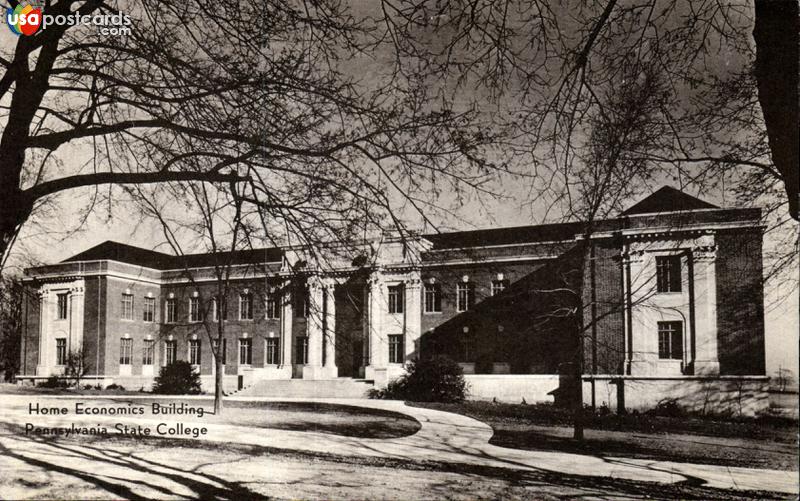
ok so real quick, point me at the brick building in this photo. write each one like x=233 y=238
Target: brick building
x=663 y=302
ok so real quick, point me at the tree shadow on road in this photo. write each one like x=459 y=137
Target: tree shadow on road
x=132 y=476
x=135 y=477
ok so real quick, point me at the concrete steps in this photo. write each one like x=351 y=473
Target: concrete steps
x=302 y=388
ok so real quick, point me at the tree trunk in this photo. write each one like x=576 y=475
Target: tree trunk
x=220 y=367
x=776 y=70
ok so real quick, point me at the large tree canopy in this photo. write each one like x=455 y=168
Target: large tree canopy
x=325 y=112
x=288 y=99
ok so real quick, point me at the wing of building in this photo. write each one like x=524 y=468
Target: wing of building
x=664 y=302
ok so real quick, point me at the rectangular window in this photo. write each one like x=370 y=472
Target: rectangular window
x=246 y=307
x=224 y=353
x=274 y=305
x=61 y=307
x=433 y=298
x=301 y=350
x=670 y=340
x=125 y=351
x=273 y=351
x=194 y=309
x=396 y=353
x=498 y=286
x=61 y=351
x=464 y=297
x=127 y=307
x=148 y=352
x=172 y=313
x=170 y=352
x=149 y=312
x=194 y=352
x=395 y=299
x=215 y=305
x=668 y=273
x=245 y=351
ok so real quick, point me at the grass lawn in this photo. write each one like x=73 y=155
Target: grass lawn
x=756 y=443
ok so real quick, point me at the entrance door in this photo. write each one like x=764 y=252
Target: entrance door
x=358 y=357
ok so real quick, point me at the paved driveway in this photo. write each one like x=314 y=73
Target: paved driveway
x=443 y=437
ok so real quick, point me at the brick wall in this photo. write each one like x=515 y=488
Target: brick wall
x=115 y=327
x=740 y=303
x=538 y=333
x=29 y=351
x=603 y=305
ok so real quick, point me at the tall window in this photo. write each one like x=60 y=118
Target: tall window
x=194 y=351
x=498 y=286
x=395 y=299
x=170 y=351
x=246 y=306
x=245 y=351
x=172 y=313
x=61 y=351
x=668 y=273
x=148 y=352
x=218 y=307
x=300 y=302
x=467 y=348
x=194 y=309
x=464 y=296
x=273 y=351
x=670 y=340
x=127 y=306
x=224 y=353
x=274 y=305
x=125 y=351
x=433 y=298
x=61 y=306
x=301 y=350
x=396 y=353
x=149 y=312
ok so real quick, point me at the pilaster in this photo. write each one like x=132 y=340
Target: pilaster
x=704 y=259
x=413 y=318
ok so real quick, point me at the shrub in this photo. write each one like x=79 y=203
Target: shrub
x=438 y=379
x=115 y=386
x=667 y=408
x=177 y=378
x=53 y=382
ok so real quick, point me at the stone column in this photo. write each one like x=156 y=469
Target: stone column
x=413 y=309
x=313 y=368
x=373 y=324
x=287 y=316
x=705 y=310
x=330 y=369
x=43 y=366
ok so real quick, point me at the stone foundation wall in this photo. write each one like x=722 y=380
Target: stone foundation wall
x=734 y=395
x=512 y=388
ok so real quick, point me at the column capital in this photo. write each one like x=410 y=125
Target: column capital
x=633 y=256
x=413 y=283
x=704 y=252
